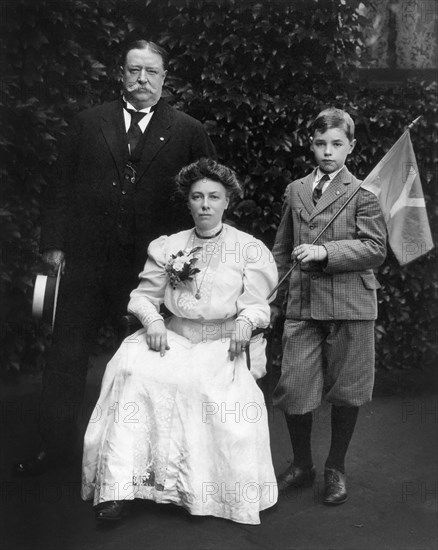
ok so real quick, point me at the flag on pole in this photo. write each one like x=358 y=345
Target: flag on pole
x=396 y=183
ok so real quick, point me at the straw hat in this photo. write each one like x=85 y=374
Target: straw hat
x=45 y=297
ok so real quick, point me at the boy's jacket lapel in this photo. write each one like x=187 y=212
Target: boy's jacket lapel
x=336 y=189
x=305 y=192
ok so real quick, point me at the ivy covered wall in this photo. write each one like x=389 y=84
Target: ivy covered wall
x=255 y=73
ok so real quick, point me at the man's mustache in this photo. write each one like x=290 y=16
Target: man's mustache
x=134 y=87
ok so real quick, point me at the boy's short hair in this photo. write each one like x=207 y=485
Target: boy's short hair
x=333 y=118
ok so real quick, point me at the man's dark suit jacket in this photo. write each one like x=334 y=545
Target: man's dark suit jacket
x=85 y=204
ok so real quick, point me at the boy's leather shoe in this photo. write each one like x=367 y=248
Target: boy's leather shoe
x=33 y=466
x=295 y=476
x=112 y=510
x=335 y=487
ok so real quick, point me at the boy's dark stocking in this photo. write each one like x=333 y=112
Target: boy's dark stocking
x=343 y=424
x=300 y=431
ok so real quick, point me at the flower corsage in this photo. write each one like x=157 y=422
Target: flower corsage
x=181 y=268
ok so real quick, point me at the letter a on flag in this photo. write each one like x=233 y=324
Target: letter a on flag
x=396 y=182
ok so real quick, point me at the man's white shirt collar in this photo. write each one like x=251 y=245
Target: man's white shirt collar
x=145 y=110
x=143 y=122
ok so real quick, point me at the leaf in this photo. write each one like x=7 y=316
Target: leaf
x=254 y=74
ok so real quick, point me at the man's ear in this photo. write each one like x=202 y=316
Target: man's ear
x=121 y=73
x=352 y=145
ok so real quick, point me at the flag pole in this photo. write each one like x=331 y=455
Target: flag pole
x=413 y=123
x=328 y=224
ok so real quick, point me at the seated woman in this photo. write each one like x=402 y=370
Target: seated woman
x=180 y=418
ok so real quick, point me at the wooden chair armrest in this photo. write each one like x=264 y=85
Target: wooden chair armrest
x=130 y=324
x=256 y=332
x=265 y=331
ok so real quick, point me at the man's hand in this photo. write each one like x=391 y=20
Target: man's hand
x=156 y=337
x=53 y=259
x=240 y=338
x=305 y=253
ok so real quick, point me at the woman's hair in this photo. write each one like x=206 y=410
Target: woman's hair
x=207 y=168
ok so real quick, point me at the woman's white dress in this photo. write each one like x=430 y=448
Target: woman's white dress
x=189 y=428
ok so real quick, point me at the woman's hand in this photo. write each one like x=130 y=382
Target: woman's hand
x=156 y=337
x=240 y=338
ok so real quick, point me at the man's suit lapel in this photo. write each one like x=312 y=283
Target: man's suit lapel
x=158 y=134
x=336 y=189
x=114 y=131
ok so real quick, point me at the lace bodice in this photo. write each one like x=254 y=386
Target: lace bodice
x=237 y=272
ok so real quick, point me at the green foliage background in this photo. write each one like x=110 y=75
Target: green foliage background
x=255 y=73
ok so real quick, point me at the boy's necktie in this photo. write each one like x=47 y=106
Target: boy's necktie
x=317 y=192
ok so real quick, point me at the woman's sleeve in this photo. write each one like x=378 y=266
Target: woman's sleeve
x=147 y=298
x=259 y=278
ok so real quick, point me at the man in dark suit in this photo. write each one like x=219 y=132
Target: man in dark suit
x=111 y=196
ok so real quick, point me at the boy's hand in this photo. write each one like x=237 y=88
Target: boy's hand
x=305 y=253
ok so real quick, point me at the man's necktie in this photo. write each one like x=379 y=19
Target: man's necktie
x=317 y=192
x=134 y=132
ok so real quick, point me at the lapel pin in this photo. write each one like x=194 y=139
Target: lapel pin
x=337 y=192
x=161 y=139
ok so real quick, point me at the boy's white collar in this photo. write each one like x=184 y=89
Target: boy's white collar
x=319 y=174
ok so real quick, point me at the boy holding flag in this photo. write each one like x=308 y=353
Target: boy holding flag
x=328 y=338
